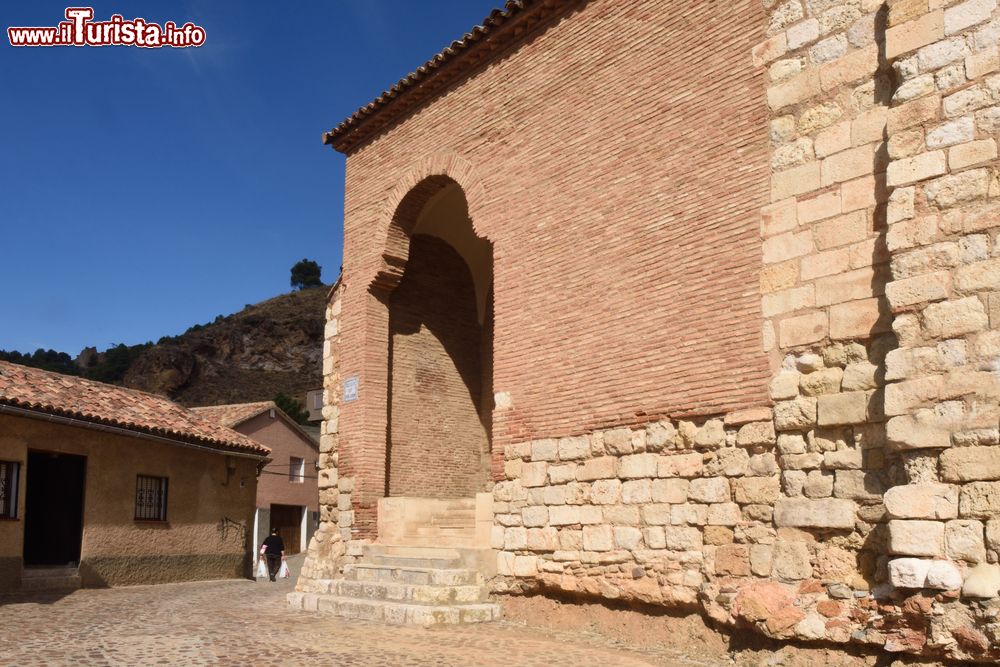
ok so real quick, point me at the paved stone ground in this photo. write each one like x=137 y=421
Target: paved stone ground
x=248 y=623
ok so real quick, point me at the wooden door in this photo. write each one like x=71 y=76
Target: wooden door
x=288 y=520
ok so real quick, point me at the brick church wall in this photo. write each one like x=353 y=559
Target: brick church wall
x=437 y=439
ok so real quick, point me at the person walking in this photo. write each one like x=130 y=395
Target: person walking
x=274 y=552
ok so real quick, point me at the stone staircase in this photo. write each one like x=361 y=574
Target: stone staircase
x=426 y=569
x=50 y=579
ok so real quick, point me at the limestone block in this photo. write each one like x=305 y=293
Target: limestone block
x=993 y=534
x=591 y=515
x=514 y=538
x=793 y=482
x=636 y=491
x=922 y=501
x=803 y=329
x=690 y=514
x=628 y=537
x=843 y=459
x=761 y=559
x=917 y=168
x=732 y=560
x=637 y=466
x=845 y=408
x=543 y=539
x=949 y=191
x=818 y=484
x=728 y=461
x=618 y=441
x=807 y=513
x=797 y=414
x=980 y=500
x=544 y=450
x=784 y=385
x=916 y=538
x=944 y=575
x=969 y=464
x=790 y=560
x=858 y=485
x=669 y=490
x=918 y=289
x=535 y=515
x=756 y=433
x=683 y=538
x=660 y=435
x=553 y=495
x=711 y=434
x=505 y=563
x=982 y=581
x=599 y=468
x=908 y=572
x=825 y=381
x=656 y=514
x=496 y=536
x=577 y=447
x=560 y=474
x=534 y=474
x=679 y=465
x=598 y=538
x=963 y=540
x=808 y=461
x=525 y=566
x=791 y=443
x=969 y=13
x=606 y=492
x=564 y=515
x=953 y=132
x=622 y=515
x=654 y=537
x=860 y=376
x=709 y=490
x=723 y=514
x=978 y=276
x=912 y=432
x=763 y=465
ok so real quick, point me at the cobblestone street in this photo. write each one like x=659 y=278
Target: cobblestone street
x=244 y=623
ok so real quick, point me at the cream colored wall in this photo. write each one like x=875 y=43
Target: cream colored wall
x=209 y=507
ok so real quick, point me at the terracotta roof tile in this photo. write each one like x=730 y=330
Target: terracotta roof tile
x=68 y=396
x=235 y=414
x=499 y=30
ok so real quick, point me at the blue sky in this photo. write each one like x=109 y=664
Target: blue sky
x=146 y=190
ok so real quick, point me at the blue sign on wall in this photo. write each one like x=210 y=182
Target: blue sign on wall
x=351 y=389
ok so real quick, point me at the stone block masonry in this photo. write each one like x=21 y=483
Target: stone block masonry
x=814 y=458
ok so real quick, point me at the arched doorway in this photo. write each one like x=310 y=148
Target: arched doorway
x=440 y=396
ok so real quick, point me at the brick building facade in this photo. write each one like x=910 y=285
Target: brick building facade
x=737 y=301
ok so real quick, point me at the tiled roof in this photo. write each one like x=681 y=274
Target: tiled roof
x=85 y=400
x=499 y=30
x=235 y=414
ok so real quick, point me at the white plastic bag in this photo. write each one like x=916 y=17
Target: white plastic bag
x=261 y=567
x=283 y=573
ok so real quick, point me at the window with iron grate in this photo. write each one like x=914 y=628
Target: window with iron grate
x=150 y=498
x=9 y=475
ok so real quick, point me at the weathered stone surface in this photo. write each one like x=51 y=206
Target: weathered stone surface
x=574 y=448
x=723 y=514
x=963 y=540
x=843 y=459
x=818 y=484
x=916 y=538
x=709 y=490
x=982 y=581
x=638 y=465
x=858 y=485
x=912 y=432
x=949 y=319
x=806 y=513
x=756 y=490
x=908 y=572
x=796 y=414
x=669 y=490
x=943 y=575
x=922 y=501
x=980 y=500
x=602 y=467
x=606 y=492
x=679 y=465
x=826 y=381
x=732 y=560
x=544 y=450
x=598 y=538
x=791 y=561
x=970 y=464
x=711 y=434
x=785 y=385
x=728 y=461
x=757 y=433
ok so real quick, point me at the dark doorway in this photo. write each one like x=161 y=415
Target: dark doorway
x=288 y=520
x=53 y=516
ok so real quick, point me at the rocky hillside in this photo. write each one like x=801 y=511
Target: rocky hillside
x=275 y=346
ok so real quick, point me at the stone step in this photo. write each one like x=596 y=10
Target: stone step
x=431 y=576
x=394 y=613
x=50 y=579
x=412 y=556
x=409 y=593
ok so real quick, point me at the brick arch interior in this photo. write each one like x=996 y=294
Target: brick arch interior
x=436 y=293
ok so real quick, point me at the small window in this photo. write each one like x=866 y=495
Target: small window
x=150 y=498
x=9 y=471
x=296 y=469
x=317 y=400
